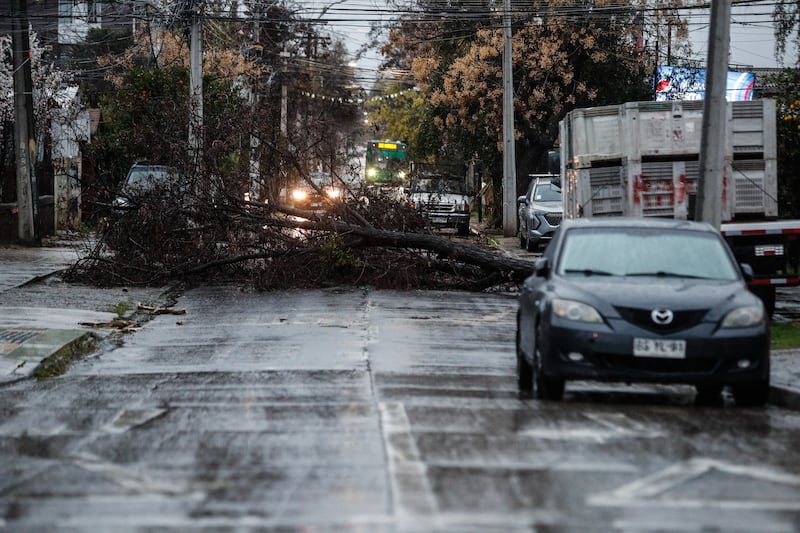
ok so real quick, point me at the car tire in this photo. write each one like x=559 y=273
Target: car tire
x=521 y=238
x=751 y=395
x=524 y=370
x=463 y=229
x=708 y=394
x=544 y=387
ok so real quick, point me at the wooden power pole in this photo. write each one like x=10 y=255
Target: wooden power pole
x=24 y=133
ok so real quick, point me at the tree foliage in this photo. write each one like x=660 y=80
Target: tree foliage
x=787 y=28
x=49 y=83
x=563 y=57
x=788 y=140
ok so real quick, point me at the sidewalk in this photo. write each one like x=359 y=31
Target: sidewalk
x=30 y=333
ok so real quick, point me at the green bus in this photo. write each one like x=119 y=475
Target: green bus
x=386 y=163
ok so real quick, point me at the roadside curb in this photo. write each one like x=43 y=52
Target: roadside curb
x=784 y=397
x=41 y=352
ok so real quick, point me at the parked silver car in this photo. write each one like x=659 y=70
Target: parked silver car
x=539 y=212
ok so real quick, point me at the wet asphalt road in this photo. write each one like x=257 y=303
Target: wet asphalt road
x=359 y=410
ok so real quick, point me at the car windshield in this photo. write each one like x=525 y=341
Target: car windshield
x=547 y=193
x=644 y=252
x=440 y=185
x=145 y=177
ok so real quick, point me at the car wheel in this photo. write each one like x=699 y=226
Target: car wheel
x=544 y=387
x=521 y=238
x=524 y=370
x=751 y=395
x=708 y=394
x=463 y=229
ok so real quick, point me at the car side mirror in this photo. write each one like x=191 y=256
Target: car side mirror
x=542 y=268
x=747 y=271
x=522 y=200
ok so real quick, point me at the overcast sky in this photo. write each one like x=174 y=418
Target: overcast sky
x=752 y=36
x=752 y=31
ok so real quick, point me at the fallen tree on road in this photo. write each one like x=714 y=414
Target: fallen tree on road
x=366 y=239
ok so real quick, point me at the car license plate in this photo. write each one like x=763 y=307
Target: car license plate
x=438 y=220
x=667 y=348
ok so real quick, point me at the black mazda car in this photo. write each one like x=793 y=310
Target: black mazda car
x=641 y=300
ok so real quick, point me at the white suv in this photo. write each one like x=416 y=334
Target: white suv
x=442 y=200
x=539 y=212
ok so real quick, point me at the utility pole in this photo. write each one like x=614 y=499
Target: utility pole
x=509 y=163
x=284 y=95
x=712 y=139
x=255 y=142
x=196 y=87
x=25 y=138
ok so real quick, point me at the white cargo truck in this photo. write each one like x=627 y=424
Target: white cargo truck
x=643 y=159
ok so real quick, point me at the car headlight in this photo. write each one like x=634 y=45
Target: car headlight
x=333 y=193
x=744 y=317
x=299 y=195
x=401 y=175
x=371 y=172
x=576 y=311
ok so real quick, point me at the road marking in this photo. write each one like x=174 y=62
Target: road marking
x=411 y=491
x=649 y=490
x=130 y=418
x=612 y=426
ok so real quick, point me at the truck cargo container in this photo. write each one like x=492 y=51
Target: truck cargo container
x=643 y=159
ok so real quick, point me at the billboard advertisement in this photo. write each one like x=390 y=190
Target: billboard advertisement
x=681 y=83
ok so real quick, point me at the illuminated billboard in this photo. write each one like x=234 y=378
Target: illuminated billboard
x=680 y=83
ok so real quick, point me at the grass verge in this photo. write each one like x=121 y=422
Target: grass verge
x=785 y=335
x=59 y=362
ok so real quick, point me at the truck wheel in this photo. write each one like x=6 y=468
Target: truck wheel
x=767 y=295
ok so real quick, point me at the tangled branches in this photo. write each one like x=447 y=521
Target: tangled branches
x=365 y=237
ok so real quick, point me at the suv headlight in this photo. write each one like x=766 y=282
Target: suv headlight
x=744 y=317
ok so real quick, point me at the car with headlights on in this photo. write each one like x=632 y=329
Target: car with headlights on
x=315 y=192
x=641 y=300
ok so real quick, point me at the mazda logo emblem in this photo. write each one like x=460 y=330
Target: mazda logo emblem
x=662 y=317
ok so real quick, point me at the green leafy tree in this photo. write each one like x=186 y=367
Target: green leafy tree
x=788 y=140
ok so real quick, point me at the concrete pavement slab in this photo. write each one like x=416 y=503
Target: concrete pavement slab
x=22 y=350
